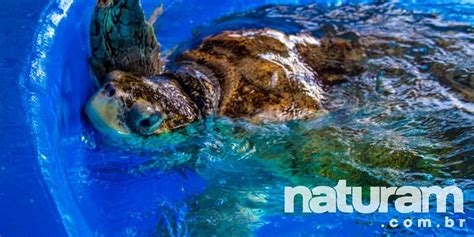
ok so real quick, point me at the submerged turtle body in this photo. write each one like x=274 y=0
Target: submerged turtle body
x=268 y=75
x=122 y=39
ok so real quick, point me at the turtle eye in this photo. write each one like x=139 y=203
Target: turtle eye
x=143 y=120
x=109 y=90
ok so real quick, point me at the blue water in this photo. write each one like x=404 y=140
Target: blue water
x=60 y=177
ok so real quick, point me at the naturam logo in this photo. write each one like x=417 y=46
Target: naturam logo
x=408 y=199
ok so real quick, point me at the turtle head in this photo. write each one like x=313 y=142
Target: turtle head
x=129 y=105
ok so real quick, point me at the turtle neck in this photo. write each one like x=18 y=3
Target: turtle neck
x=199 y=83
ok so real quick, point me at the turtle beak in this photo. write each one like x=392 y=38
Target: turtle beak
x=106 y=114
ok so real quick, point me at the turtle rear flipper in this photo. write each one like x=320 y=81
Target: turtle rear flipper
x=122 y=39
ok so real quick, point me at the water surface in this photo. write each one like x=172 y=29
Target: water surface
x=408 y=120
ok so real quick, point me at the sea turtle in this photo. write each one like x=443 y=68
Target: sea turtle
x=257 y=75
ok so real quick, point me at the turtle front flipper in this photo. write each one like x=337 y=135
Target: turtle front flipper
x=156 y=13
x=122 y=39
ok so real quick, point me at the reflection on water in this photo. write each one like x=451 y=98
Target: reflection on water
x=408 y=120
